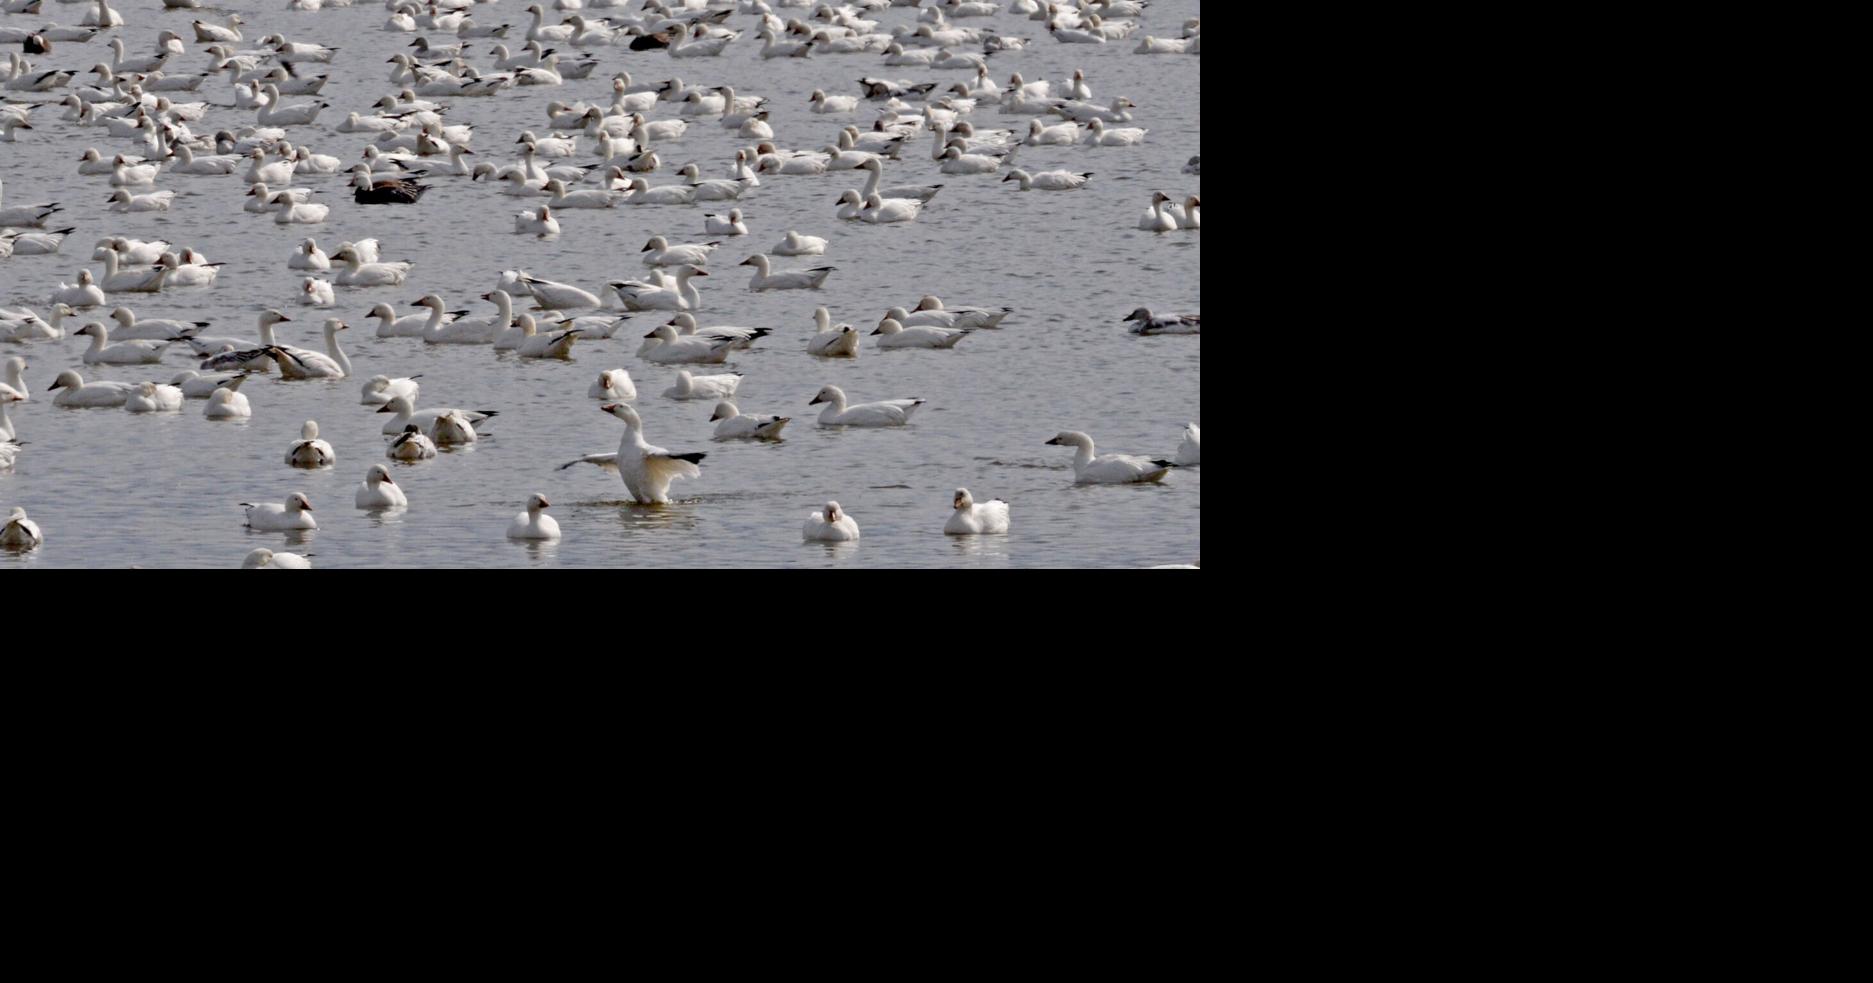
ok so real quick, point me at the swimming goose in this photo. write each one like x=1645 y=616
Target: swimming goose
x=1149 y=324
x=685 y=324
x=734 y=425
x=830 y=341
x=647 y=470
x=315 y=292
x=379 y=492
x=930 y=310
x=275 y=114
x=239 y=354
x=540 y=223
x=703 y=386
x=263 y=199
x=390 y=191
x=594 y=327
x=970 y=518
x=895 y=335
x=411 y=445
x=888 y=413
x=360 y=273
x=728 y=225
x=14 y=383
x=698 y=44
x=535 y=345
x=85 y=293
x=9 y=452
x=102 y=352
x=1049 y=180
x=1098 y=136
x=589 y=198
x=303 y=363
x=309 y=451
x=471 y=330
x=131 y=328
x=1188 y=216
x=187 y=269
x=288 y=212
x=823 y=103
x=882 y=211
x=639 y=192
x=874 y=170
x=554 y=296
x=126 y=174
x=196 y=385
x=381 y=388
x=124 y=201
x=226 y=404
x=35 y=243
x=389 y=325
x=153 y=398
x=798 y=245
x=955 y=161
x=1157 y=219
x=673 y=349
x=207 y=33
x=1086 y=112
x=1060 y=135
x=24 y=325
x=1190 y=451
x=20 y=533
x=294 y=513
x=684 y=296
x=266 y=559
x=129 y=281
x=25 y=216
x=79 y=393
x=829 y=525
x=407 y=414
x=764 y=279
x=534 y=523
x=661 y=253
x=7 y=433
x=1110 y=469
x=613 y=385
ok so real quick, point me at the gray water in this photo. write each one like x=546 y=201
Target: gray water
x=111 y=489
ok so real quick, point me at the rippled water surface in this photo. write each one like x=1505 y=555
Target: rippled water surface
x=113 y=489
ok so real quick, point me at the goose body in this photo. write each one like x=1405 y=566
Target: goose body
x=151 y=397
x=659 y=252
x=407 y=414
x=613 y=385
x=832 y=341
x=796 y=244
x=411 y=445
x=102 y=352
x=132 y=328
x=829 y=525
x=1151 y=324
x=732 y=424
x=887 y=413
x=894 y=335
x=380 y=389
x=379 y=492
x=266 y=559
x=79 y=393
x=1190 y=451
x=1109 y=469
x=309 y=451
x=1049 y=180
x=765 y=279
x=647 y=470
x=724 y=225
x=18 y=532
x=534 y=523
x=971 y=518
x=684 y=296
x=293 y=514
x=674 y=349
x=303 y=363
x=227 y=404
x=703 y=386
x=197 y=385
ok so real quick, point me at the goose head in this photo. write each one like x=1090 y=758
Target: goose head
x=298 y=502
x=378 y=475
x=724 y=410
x=833 y=513
x=67 y=379
x=962 y=500
x=829 y=394
x=537 y=502
x=889 y=326
x=623 y=412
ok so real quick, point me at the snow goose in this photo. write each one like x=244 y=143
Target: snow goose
x=889 y=413
x=379 y=492
x=411 y=445
x=360 y=273
x=970 y=518
x=685 y=324
x=294 y=513
x=25 y=216
x=930 y=310
x=661 y=253
x=647 y=470
x=684 y=296
x=472 y=330
x=79 y=393
x=124 y=201
x=1098 y=136
x=851 y=204
x=264 y=199
x=303 y=363
x=1109 y=469
x=197 y=385
x=1158 y=219
x=315 y=292
x=207 y=33
x=24 y=325
x=381 y=388
x=84 y=293
x=1049 y=180
x=955 y=161
x=1086 y=112
x=673 y=349
x=153 y=398
x=1190 y=451
x=453 y=428
x=894 y=335
x=823 y=103
x=20 y=533
x=882 y=211
x=613 y=385
x=1189 y=216
x=102 y=352
x=703 y=386
x=36 y=243
x=554 y=296
x=535 y=345
x=534 y=523
x=540 y=223
x=226 y=404
x=698 y=44
x=309 y=451
x=132 y=328
x=829 y=525
x=734 y=425
x=288 y=212
x=188 y=270
x=407 y=414
x=308 y=256
x=239 y=354
x=9 y=452
x=595 y=326
x=129 y=281
x=14 y=383
x=7 y=432
x=589 y=198
x=830 y=341
x=126 y=174
x=724 y=225
x=639 y=192
x=1150 y=324
x=874 y=170
x=266 y=559
x=1063 y=134
x=796 y=244
x=764 y=279
x=275 y=114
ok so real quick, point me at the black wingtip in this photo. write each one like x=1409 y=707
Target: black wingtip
x=1165 y=464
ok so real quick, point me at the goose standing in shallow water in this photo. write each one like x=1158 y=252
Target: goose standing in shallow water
x=1109 y=469
x=534 y=523
x=647 y=470
x=309 y=451
x=888 y=413
x=294 y=513
x=379 y=492
x=970 y=518
x=829 y=525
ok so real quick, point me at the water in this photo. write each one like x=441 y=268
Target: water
x=161 y=490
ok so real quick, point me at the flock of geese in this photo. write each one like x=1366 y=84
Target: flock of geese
x=142 y=106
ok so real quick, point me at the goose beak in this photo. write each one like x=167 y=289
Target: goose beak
x=386 y=409
x=813 y=401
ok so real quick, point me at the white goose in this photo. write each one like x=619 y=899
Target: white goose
x=196 y=385
x=1150 y=324
x=703 y=386
x=673 y=349
x=102 y=352
x=380 y=389
x=308 y=256
x=888 y=413
x=661 y=253
x=798 y=245
x=226 y=404
x=379 y=492
x=1098 y=136
x=894 y=335
x=303 y=363
x=359 y=273
x=124 y=201
x=1049 y=180
x=153 y=398
x=1190 y=451
x=407 y=414
x=288 y=212
x=534 y=523
x=765 y=279
x=829 y=525
x=240 y=354
x=970 y=518
x=314 y=292
x=724 y=225
x=534 y=345
x=734 y=425
x=389 y=325
x=1109 y=469
x=309 y=451
x=472 y=330
x=540 y=223
x=130 y=327
x=294 y=513
x=830 y=341
x=684 y=296
x=874 y=171
x=130 y=281
x=1157 y=219
x=84 y=293
x=613 y=385
x=18 y=532
x=266 y=559
x=647 y=470
x=882 y=211
x=79 y=393
x=552 y=295
x=930 y=310
x=411 y=445
x=685 y=324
